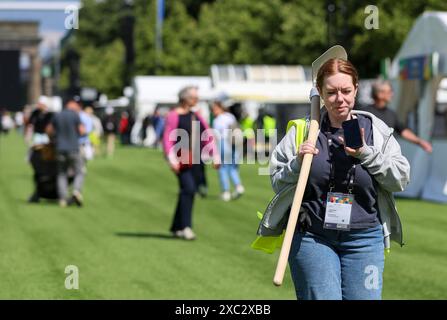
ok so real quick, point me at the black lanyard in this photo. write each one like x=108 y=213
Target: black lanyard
x=351 y=172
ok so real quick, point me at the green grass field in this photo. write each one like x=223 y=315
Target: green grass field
x=121 y=245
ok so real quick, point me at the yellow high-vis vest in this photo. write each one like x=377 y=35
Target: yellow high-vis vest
x=271 y=243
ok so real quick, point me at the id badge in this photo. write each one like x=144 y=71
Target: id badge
x=338 y=211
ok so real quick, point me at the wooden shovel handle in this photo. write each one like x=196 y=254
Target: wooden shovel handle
x=299 y=192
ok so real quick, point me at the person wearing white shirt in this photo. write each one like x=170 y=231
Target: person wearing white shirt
x=225 y=123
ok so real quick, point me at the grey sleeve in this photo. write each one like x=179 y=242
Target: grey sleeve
x=54 y=121
x=398 y=124
x=284 y=163
x=78 y=119
x=390 y=169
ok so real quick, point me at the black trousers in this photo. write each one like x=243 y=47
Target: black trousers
x=199 y=174
x=183 y=211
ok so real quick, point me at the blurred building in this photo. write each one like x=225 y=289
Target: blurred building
x=19 y=42
x=30 y=35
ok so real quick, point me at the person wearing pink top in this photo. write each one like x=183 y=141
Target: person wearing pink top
x=187 y=139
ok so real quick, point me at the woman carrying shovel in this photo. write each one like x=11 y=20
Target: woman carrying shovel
x=347 y=212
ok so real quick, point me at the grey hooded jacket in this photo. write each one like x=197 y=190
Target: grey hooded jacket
x=384 y=161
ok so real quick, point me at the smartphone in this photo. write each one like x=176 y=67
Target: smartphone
x=353 y=136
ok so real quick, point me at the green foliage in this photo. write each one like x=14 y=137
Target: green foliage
x=303 y=33
x=144 y=35
x=64 y=81
x=102 y=67
x=239 y=31
x=99 y=22
x=178 y=56
x=197 y=34
x=180 y=43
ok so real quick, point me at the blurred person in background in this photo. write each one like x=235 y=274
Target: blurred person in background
x=27 y=111
x=225 y=124
x=19 y=121
x=199 y=170
x=67 y=128
x=7 y=122
x=85 y=145
x=41 y=152
x=145 y=124
x=266 y=122
x=96 y=133
x=110 y=126
x=125 y=127
x=248 y=130
x=269 y=126
x=158 y=121
x=382 y=93
x=180 y=120
x=37 y=122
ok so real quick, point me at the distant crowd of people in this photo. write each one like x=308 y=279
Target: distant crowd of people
x=61 y=143
x=10 y=121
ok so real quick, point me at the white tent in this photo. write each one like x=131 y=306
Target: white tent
x=417 y=70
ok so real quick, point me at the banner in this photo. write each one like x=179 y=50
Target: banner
x=419 y=67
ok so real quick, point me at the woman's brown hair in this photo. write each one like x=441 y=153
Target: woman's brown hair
x=333 y=66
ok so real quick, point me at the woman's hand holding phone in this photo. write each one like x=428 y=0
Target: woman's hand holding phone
x=354 y=152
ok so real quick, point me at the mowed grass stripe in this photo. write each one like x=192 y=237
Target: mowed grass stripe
x=119 y=239
x=174 y=264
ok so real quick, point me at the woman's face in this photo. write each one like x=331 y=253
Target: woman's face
x=338 y=94
x=192 y=98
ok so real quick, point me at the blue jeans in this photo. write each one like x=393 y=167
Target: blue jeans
x=229 y=168
x=338 y=265
x=227 y=172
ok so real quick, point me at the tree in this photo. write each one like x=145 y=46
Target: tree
x=303 y=33
x=193 y=7
x=238 y=31
x=197 y=34
x=179 y=41
x=99 y=22
x=98 y=44
x=144 y=35
x=103 y=68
